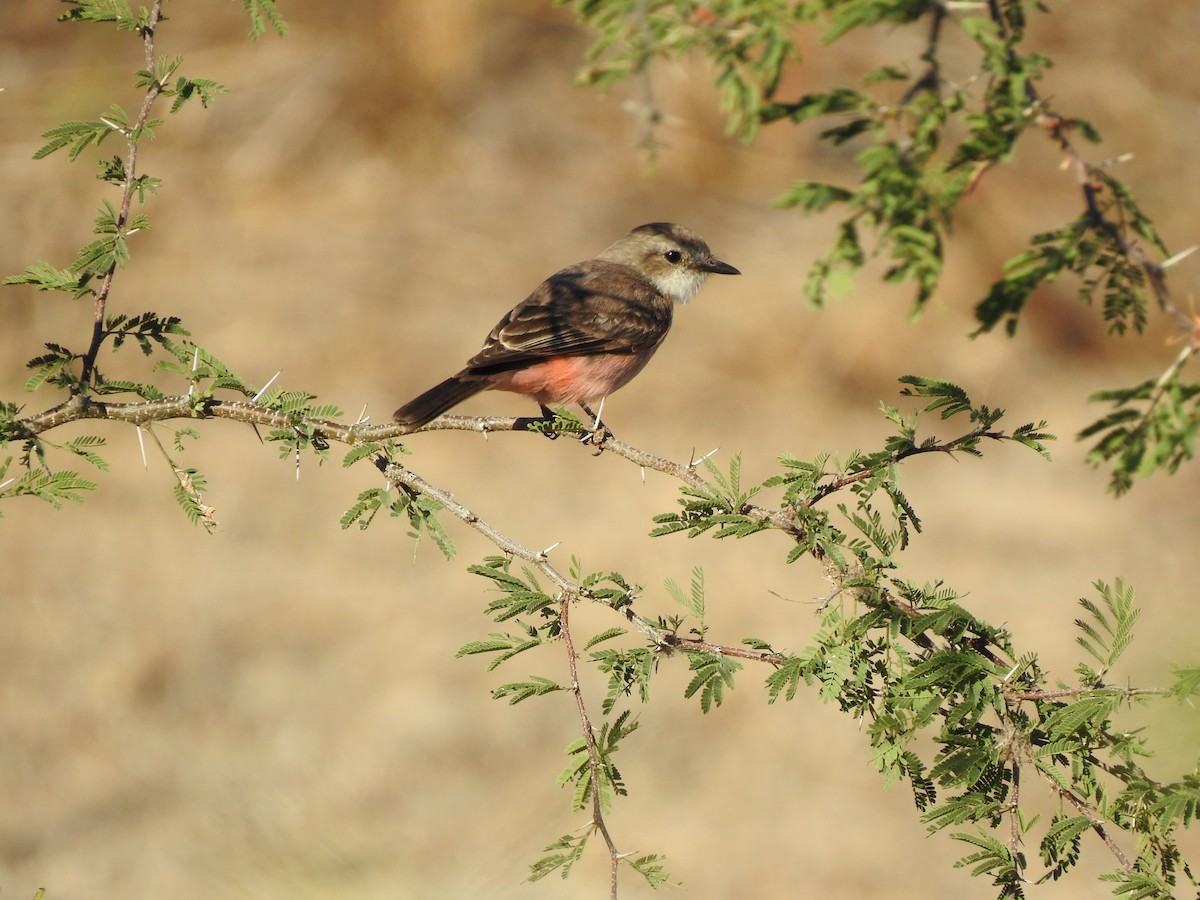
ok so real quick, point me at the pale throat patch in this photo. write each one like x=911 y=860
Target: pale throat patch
x=680 y=284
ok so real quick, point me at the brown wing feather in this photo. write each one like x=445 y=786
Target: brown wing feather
x=594 y=307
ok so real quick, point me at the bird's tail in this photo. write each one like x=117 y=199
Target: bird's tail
x=435 y=401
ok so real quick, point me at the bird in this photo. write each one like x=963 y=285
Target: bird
x=585 y=331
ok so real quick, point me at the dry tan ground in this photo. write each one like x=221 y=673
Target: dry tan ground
x=276 y=710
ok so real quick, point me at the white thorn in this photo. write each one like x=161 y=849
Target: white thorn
x=267 y=385
x=599 y=413
x=7 y=483
x=362 y=416
x=643 y=468
x=195 y=363
x=142 y=444
x=1114 y=161
x=297 y=463
x=548 y=549
x=1180 y=256
x=695 y=462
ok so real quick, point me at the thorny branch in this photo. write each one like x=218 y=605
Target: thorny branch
x=946 y=447
x=143 y=414
x=249 y=412
x=663 y=638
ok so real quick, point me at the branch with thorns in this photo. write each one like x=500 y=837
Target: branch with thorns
x=144 y=414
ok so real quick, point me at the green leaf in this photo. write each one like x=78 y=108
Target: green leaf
x=52 y=487
x=45 y=277
x=1108 y=631
x=572 y=847
x=714 y=673
x=1187 y=682
x=474 y=647
x=361 y=451
x=692 y=601
x=1080 y=720
x=1062 y=844
x=203 y=89
x=991 y=858
x=363 y=512
x=535 y=686
x=606 y=635
x=82 y=446
x=263 y=13
x=101 y=11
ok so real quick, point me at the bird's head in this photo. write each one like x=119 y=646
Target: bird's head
x=673 y=258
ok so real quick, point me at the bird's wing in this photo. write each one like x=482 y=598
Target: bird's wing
x=593 y=307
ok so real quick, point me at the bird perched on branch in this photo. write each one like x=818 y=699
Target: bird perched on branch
x=586 y=330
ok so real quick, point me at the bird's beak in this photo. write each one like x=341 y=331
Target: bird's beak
x=716 y=267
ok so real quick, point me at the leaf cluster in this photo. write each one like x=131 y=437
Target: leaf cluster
x=1152 y=426
x=77 y=373
x=950 y=705
x=922 y=138
x=749 y=43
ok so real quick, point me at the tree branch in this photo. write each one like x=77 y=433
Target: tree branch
x=1098 y=825
x=595 y=760
x=247 y=411
x=131 y=143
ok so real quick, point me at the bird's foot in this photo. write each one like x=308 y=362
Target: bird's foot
x=599 y=432
x=597 y=438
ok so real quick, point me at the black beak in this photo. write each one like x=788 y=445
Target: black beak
x=716 y=267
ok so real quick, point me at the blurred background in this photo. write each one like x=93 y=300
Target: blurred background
x=275 y=710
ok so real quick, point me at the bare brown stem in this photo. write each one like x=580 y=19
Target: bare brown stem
x=1098 y=825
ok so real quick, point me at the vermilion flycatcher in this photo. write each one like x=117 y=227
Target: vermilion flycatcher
x=586 y=330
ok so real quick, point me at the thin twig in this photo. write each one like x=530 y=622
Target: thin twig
x=929 y=80
x=1097 y=823
x=1014 y=817
x=595 y=760
x=1088 y=691
x=948 y=447
x=131 y=142
x=646 y=111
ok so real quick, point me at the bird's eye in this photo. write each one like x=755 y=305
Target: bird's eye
x=673 y=256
